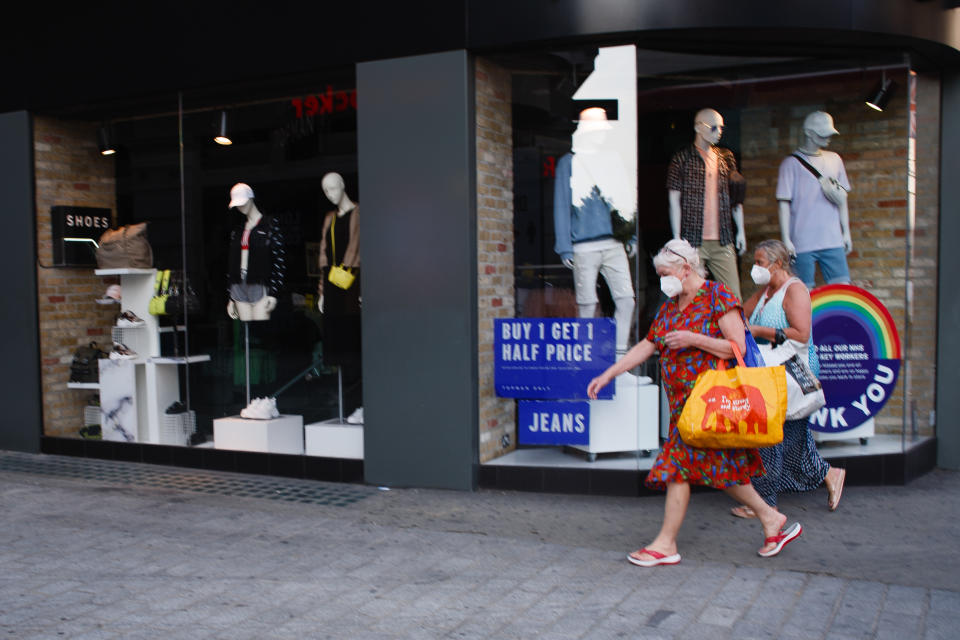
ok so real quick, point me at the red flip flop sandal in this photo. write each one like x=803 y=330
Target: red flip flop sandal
x=782 y=539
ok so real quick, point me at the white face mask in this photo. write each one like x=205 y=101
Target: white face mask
x=760 y=275
x=671 y=286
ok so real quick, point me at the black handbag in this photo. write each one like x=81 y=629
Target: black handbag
x=84 y=367
x=182 y=297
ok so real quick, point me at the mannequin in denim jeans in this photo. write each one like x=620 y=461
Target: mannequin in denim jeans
x=812 y=227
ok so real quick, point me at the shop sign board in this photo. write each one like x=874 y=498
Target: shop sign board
x=858 y=348
x=76 y=231
x=553 y=423
x=552 y=358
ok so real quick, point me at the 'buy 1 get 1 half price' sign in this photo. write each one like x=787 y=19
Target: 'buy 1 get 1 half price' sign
x=552 y=358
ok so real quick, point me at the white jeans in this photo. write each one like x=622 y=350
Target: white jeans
x=612 y=264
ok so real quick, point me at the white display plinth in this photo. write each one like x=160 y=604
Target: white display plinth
x=629 y=422
x=334 y=439
x=864 y=431
x=278 y=435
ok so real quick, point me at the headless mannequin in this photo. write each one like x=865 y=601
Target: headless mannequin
x=335 y=190
x=592 y=166
x=708 y=128
x=813 y=145
x=250 y=311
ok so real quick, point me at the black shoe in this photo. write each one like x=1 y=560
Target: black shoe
x=176 y=407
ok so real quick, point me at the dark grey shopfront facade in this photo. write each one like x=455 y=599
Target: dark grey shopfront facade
x=416 y=144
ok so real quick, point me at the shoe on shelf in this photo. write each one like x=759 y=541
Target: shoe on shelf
x=122 y=352
x=356 y=417
x=129 y=319
x=261 y=409
x=176 y=407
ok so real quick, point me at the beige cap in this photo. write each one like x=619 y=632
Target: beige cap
x=821 y=123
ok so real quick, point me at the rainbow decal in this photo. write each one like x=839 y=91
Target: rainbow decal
x=842 y=301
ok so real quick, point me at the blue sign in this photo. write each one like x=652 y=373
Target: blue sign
x=552 y=358
x=553 y=423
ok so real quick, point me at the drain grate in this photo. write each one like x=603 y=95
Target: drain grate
x=130 y=473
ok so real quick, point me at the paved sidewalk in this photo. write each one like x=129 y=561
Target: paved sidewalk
x=95 y=549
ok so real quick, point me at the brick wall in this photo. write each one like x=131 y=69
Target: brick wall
x=69 y=170
x=874 y=149
x=495 y=288
x=922 y=340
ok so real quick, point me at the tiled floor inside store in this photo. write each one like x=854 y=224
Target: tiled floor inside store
x=566 y=457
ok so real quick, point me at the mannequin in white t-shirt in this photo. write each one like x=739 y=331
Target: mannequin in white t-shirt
x=814 y=228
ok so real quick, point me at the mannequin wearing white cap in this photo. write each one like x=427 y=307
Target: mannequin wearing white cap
x=590 y=184
x=253 y=282
x=812 y=226
x=701 y=210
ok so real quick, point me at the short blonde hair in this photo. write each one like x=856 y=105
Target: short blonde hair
x=776 y=251
x=678 y=252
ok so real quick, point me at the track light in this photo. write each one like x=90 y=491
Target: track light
x=105 y=141
x=880 y=96
x=222 y=137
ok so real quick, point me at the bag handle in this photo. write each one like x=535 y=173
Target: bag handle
x=736 y=353
x=808 y=166
x=333 y=241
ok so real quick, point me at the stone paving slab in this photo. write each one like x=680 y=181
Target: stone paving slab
x=106 y=557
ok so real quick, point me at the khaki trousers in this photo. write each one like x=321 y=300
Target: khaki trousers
x=721 y=260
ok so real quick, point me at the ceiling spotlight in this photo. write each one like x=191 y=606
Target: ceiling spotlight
x=105 y=141
x=881 y=95
x=222 y=137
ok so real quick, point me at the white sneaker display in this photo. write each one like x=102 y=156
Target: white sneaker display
x=356 y=417
x=122 y=352
x=128 y=319
x=261 y=409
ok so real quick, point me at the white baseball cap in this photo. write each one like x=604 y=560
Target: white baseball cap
x=821 y=123
x=240 y=194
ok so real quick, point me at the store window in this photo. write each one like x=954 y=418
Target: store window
x=612 y=151
x=238 y=324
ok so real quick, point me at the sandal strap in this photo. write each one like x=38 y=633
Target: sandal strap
x=651 y=552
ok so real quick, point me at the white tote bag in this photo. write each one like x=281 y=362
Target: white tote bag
x=804 y=392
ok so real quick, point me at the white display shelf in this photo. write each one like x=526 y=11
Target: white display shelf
x=83 y=385
x=180 y=359
x=124 y=272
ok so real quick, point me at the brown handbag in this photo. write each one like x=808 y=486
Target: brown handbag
x=126 y=247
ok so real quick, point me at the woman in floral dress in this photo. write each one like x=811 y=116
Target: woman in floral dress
x=692 y=333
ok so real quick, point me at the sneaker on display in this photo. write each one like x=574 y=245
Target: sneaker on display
x=261 y=409
x=176 y=407
x=129 y=319
x=356 y=417
x=122 y=352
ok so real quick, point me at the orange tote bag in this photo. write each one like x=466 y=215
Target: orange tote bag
x=742 y=407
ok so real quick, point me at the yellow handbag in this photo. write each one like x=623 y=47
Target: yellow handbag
x=743 y=407
x=161 y=289
x=339 y=275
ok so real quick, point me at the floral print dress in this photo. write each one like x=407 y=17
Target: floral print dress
x=678 y=462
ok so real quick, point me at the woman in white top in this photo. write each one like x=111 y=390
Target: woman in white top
x=780 y=311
